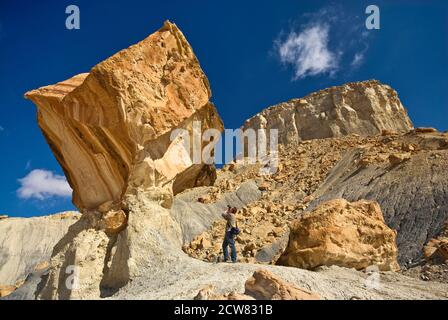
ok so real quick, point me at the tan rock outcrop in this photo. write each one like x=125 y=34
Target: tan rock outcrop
x=114 y=132
x=208 y=293
x=6 y=290
x=110 y=128
x=263 y=285
x=365 y=108
x=352 y=235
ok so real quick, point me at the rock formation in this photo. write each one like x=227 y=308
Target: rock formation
x=364 y=108
x=341 y=233
x=112 y=132
x=436 y=249
x=110 y=128
x=263 y=285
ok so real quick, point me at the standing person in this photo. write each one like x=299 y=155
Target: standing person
x=230 y=234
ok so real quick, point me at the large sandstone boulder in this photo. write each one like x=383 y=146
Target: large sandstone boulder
x=364 y=108
x=113 y=131
x=110 y=128
x=352 y=235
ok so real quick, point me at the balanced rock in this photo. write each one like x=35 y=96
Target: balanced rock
x=352 y=235
x=263 y=285
x=110 y=129
x=364 y=108
x=125 y=135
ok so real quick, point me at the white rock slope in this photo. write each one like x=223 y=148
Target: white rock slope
x=26 y=242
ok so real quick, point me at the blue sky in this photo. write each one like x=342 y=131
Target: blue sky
x=255 y=54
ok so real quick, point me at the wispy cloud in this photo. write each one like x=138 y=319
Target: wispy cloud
x=308 y=52
x=2 y=129
x=323 y=43
x=28 y=165
x=43 y=184
x=357 y=59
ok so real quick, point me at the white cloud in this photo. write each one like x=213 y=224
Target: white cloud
x=308 y=52
x=2 y=129
x=358 y=59
x=42 y=184
x=324 y=42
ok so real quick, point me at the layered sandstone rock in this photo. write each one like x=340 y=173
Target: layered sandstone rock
x=352 y=235
x=110 y=128
x=364 y=108
x=115 y=133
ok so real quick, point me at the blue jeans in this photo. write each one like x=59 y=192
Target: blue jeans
x=229 y=240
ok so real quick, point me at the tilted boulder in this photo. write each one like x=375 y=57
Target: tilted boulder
x=337 y=232
x=110 y=128
x=364 y=108
x=113 y=130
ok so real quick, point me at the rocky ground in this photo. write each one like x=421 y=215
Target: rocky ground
x=303 y=169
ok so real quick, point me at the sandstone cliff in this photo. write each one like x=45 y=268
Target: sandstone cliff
x=364 y=108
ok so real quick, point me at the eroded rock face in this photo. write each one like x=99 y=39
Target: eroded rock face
x=111 y=131
x=352 y=235
x=364 y=108
x=110 y=128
